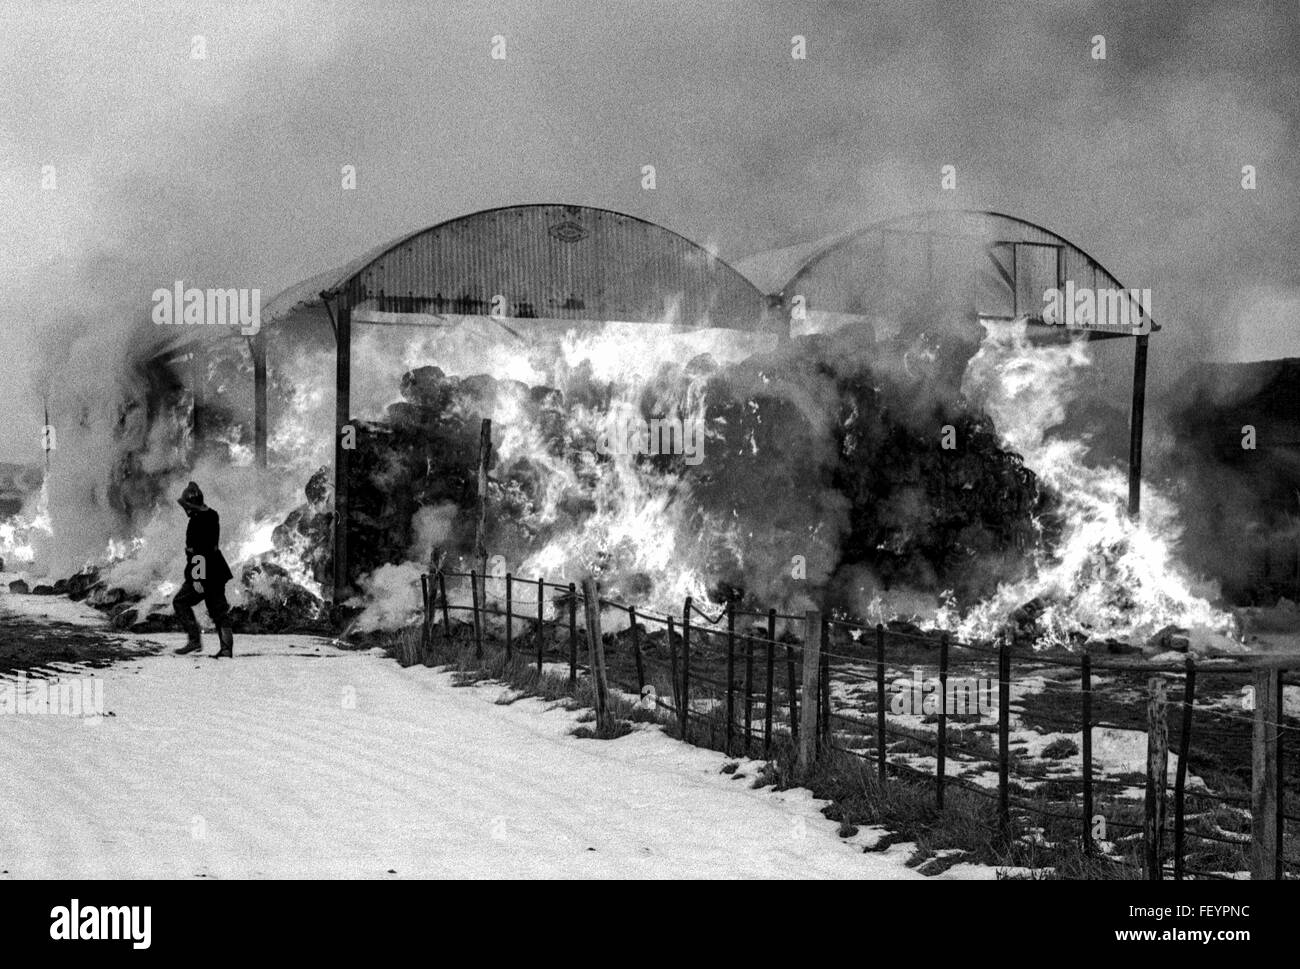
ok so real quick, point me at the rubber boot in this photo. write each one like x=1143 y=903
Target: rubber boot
x=227 y=637
x=194 y=645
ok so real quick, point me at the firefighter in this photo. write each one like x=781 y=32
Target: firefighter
x=206 y=575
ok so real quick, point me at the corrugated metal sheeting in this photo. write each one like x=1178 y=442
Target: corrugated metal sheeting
x=556 y=262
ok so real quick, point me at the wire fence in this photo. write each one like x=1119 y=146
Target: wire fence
x=1016 y=727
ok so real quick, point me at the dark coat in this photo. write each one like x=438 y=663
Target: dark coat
x=202 y=536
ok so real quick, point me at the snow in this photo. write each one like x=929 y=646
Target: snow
x=54 y=608
x=301 y=759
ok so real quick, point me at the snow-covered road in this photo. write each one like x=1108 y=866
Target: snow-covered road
x=299 y=759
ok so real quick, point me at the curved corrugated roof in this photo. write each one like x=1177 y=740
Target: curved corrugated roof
x=546 y=261
x=845 y=269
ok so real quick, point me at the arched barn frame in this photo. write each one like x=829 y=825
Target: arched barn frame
x=973 y=263
x=524 y=262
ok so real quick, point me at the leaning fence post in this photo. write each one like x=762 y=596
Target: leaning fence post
x=636 y=649
x=941 y=763
x=1004 y=735
x=573 y=635
x=1085 y=686
x=478 y=622
x=1157 y=778
x=731 y=672
x=767 y=701
x=812 y=642
x=1180 y=779
x=541 y=622
x=880 y=700
x=510 y=617
x=1263 y=776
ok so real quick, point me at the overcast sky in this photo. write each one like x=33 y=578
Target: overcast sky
x=226 y=170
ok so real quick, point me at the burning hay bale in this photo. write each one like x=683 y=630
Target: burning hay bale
x=306 y=533
x=275 y=602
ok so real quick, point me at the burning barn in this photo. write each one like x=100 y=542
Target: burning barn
x=872 y=418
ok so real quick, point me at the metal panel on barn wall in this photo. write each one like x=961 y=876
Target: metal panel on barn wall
x=1036 y=273
x=1081 y=270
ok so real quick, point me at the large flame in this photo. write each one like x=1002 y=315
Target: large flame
x=641 y=533
x=1107 y=575
x=19 y=534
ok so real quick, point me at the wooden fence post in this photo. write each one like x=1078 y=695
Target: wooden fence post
x=1157 y=778
x=880 y=700
x=686 y=669
x=790 y=688
x=636 y=649
x=1263 y=776
x=731 y=673
x=480 y=524
x=824 y=688
x=1004 y=735
x=1180 y=778
x=510 y=618
x=573 y=635
x=1085 y=687
x=596 y=645
x=424 y=628
x=812 y=642
x=1281 y=768
x=478 y=621
x=749 y=691
x=541 y=622
x=446 y=607
x=767 y=701
x=672 y=658
x=941 y=764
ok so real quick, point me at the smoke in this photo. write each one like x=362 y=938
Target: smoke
x=226 y=171
x=390 y=596
x=227 y=168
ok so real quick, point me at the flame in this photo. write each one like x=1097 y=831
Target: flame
x=642 y=535
x=121 y=549
x=1108 y=575
x=19 y=534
